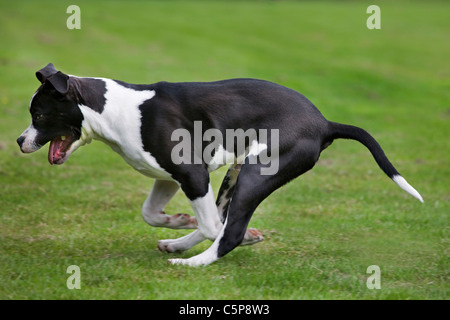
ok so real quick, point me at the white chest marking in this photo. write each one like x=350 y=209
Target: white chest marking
x=119 y=126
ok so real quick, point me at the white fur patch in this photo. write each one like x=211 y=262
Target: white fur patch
x=205 y=210
x=29 y=144
x=256 y=148
x=222 y=156
x=119 y=126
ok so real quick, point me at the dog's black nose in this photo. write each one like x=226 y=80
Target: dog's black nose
x=20 y=141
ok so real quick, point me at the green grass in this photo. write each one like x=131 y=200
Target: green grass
x=322 y=230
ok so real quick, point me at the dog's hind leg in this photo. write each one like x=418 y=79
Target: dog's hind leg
x=251 y=189
x=153 y=208
x=224 y=197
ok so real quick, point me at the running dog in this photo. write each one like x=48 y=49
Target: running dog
x=139 y=121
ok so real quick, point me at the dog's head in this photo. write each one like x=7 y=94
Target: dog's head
x=55 y=116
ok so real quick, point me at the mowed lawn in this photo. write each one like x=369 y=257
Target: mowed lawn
x=322 y=231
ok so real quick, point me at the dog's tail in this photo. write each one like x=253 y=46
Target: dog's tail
x=343 y=131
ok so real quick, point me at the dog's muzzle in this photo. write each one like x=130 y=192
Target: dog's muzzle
x=27 y=140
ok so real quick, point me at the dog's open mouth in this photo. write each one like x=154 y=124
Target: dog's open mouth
x=58 y=151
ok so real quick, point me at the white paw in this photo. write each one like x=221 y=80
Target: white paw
x=185 y=262
x=178 y=261
x=162 y=246
x=202 y=259
x=181 y=221
x=170 y=246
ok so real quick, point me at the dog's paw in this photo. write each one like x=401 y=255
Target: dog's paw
x=179 y=261
x=203 y=259
x=252 y=236
x=186 y=221
x=181 y=221
x=169 y=246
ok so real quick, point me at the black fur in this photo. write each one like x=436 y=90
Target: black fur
x=89 y=92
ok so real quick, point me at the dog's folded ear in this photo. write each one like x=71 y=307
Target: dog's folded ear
x=46 y=72
x=60 y=82
x=57 y=79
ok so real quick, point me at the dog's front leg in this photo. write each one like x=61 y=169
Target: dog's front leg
x=209 y=225
x=153 y=208
x=207 y=215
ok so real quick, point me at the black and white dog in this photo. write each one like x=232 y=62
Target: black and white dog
x=139 y=122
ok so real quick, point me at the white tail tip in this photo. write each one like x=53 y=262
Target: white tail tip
x=402 y=183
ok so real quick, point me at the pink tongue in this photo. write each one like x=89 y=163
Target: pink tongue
x=55 y=153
